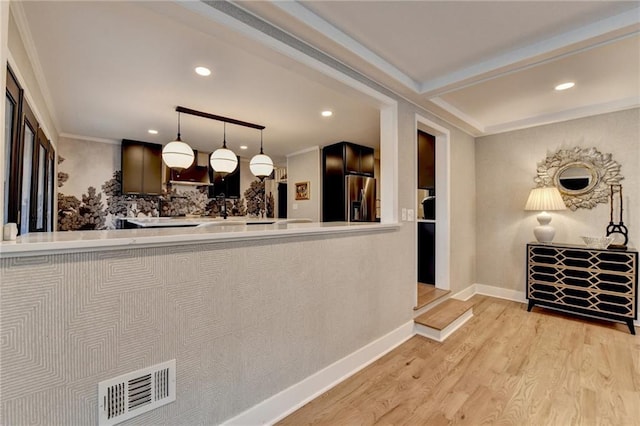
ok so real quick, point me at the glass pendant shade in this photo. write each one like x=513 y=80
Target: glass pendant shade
x=223 y=160
x=177 y=155
x=261 y=165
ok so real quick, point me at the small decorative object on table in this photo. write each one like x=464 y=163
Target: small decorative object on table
x=617 y=228
x=597 y=242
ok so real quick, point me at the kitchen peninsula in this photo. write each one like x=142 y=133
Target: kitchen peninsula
x=175 y=231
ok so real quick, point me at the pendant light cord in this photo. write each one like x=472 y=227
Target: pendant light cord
x=224 y=137
x=178 y=139
x=261 y=142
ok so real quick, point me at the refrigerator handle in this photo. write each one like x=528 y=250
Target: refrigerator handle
x=363 y=205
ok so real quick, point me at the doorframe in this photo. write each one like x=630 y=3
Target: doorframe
x=443 y=198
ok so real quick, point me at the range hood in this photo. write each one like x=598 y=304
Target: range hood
x=197 y=174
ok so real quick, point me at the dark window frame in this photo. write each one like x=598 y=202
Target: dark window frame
x=24 y=117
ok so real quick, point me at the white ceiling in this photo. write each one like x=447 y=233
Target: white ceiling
x=485 y=66
x=115 y=69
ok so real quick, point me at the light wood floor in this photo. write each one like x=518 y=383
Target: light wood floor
x=428 y=293
x=505 y=366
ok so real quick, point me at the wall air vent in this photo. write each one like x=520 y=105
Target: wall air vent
x=132 y=394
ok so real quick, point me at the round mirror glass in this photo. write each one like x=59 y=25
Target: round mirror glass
x=576 y=178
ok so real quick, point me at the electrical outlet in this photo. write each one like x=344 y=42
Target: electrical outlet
x=410 y=215
x=404 y=214
x=295 y=206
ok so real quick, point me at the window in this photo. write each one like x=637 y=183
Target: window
x=28 y=180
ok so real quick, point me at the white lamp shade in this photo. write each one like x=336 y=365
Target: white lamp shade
x=545 y=199
x=261 y=165
x=177 y=155
x=223 y=160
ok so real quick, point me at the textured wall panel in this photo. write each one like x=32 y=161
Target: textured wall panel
x=243 y=320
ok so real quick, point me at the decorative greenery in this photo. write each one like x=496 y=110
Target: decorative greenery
x=92 y=210
x=255 y=200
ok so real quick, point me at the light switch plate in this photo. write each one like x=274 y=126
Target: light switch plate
x=404 y=214
x=295 y=206
x=410 y=215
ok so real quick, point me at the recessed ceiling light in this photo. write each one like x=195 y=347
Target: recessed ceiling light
x=203 y=71
x=327 y=113
x=243 y=147
x=565 y=86
x=153 y=132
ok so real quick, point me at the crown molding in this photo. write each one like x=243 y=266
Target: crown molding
x=571 y=114
x=592 y=35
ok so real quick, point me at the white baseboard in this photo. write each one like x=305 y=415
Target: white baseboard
x=465 y=294
x=286 y=402
x=441 y=335
x=500 y=293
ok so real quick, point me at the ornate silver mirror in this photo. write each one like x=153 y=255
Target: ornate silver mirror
x=576 y=178
x=581 y=175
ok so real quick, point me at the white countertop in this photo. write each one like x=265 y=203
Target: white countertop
x=43 y=243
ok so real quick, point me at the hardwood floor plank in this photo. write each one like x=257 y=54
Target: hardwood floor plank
x=505 y=366
x=428 y=293
x=444 y=314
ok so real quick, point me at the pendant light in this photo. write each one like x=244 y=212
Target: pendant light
x=261 y=165
x=177 y=154
x=223 y=160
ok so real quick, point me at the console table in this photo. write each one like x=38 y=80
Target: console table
x=586 y=281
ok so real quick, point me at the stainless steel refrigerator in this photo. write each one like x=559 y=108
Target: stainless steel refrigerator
x=360 y=198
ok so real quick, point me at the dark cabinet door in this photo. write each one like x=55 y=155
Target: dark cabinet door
x=141 y=167
x=351 y=159
x=358 y=160
x=426 y=253
x=152 y=170
x=367 y=161
x=426 y=160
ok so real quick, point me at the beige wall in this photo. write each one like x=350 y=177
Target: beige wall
x=505 y=169
x=24 y=70
x=304 y=167
x=463 y=211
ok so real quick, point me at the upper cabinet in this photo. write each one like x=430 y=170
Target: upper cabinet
x=141 y=167
x=426 y=161
x=349 y=158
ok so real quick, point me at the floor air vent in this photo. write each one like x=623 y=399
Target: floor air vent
x=132 y=394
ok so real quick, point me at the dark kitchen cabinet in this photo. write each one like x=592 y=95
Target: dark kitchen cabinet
x=338 y=161
x=427 y=252
x=426 y=161
x=357 y=159
x=141 y=167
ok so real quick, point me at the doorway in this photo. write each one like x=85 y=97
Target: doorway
x=436 y=232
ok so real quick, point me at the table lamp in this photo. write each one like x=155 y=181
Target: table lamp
x=543 y=200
